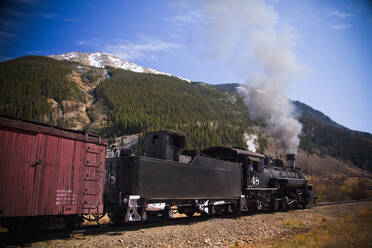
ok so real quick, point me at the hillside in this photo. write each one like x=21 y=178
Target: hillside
x=54 y=92
x=323 y=136
x=29 y=84
x=147 y=102
x=116 y=102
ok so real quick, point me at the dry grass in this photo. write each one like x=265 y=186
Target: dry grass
x=348 y=232
x=291 y=223
x=337 y=188
x=352 y=231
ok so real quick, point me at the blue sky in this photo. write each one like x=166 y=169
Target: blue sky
x=331 y=39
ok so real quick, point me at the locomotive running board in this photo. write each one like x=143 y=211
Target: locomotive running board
x=261 y=189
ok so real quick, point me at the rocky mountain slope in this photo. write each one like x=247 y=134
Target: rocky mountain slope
x=51 y=91
x=117 y=102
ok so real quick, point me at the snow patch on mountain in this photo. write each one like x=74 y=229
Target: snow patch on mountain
x=101 y=60
x=94 y=60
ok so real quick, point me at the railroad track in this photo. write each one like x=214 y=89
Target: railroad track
x=339 y=202
x=180 y=220
x=107 y=227
x=7 y=239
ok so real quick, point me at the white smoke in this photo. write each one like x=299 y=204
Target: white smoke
x=251 y=141
x=246 y=31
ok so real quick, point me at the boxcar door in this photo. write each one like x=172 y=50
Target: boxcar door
x=18 y=163
x=56 y=176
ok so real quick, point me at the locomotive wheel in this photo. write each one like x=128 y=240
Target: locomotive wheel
x=275 y=205
x=189 y=212
x=20 y=225
x=301 y=206
x=236 y=210
x=167 y=213
x=116 y=217
x=181 y=210
x=66 y=223
x=284 y=205
x=217 y=210
x=73 y=222
x=151 y=216
x=43 y=224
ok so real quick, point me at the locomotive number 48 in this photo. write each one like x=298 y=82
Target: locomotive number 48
x=255 y=180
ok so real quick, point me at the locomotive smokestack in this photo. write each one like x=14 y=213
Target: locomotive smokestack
x=291 y=160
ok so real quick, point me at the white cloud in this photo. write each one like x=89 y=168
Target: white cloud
x=189 y=16
x=146 y=47
x=341 y=26
x=339 y=14
x=81 y=42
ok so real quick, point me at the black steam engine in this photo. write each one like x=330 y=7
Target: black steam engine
x=216 y=180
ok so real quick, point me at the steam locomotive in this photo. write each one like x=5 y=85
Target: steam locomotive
x=51 y=178
x=217 y=180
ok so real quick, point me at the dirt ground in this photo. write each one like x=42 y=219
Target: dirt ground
x=224 y=231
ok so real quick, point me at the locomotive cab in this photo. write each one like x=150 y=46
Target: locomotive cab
x=165 y=145
x=253 y=168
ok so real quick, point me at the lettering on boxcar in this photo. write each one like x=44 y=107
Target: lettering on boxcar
x=65 y=197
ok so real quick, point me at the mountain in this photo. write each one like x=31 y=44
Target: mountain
x=102 y=60
x=147 y=102
x=32 y=87
x=116 y=102
x=229 y=88
x=305 y=110
x=323 y=136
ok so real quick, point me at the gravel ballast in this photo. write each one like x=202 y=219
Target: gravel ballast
x=196 y=232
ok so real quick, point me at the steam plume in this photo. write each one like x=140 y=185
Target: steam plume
x=246 y=31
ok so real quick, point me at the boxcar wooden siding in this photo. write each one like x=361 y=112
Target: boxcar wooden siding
x=48 y=171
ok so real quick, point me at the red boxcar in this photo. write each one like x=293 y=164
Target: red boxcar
x=46 y=170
